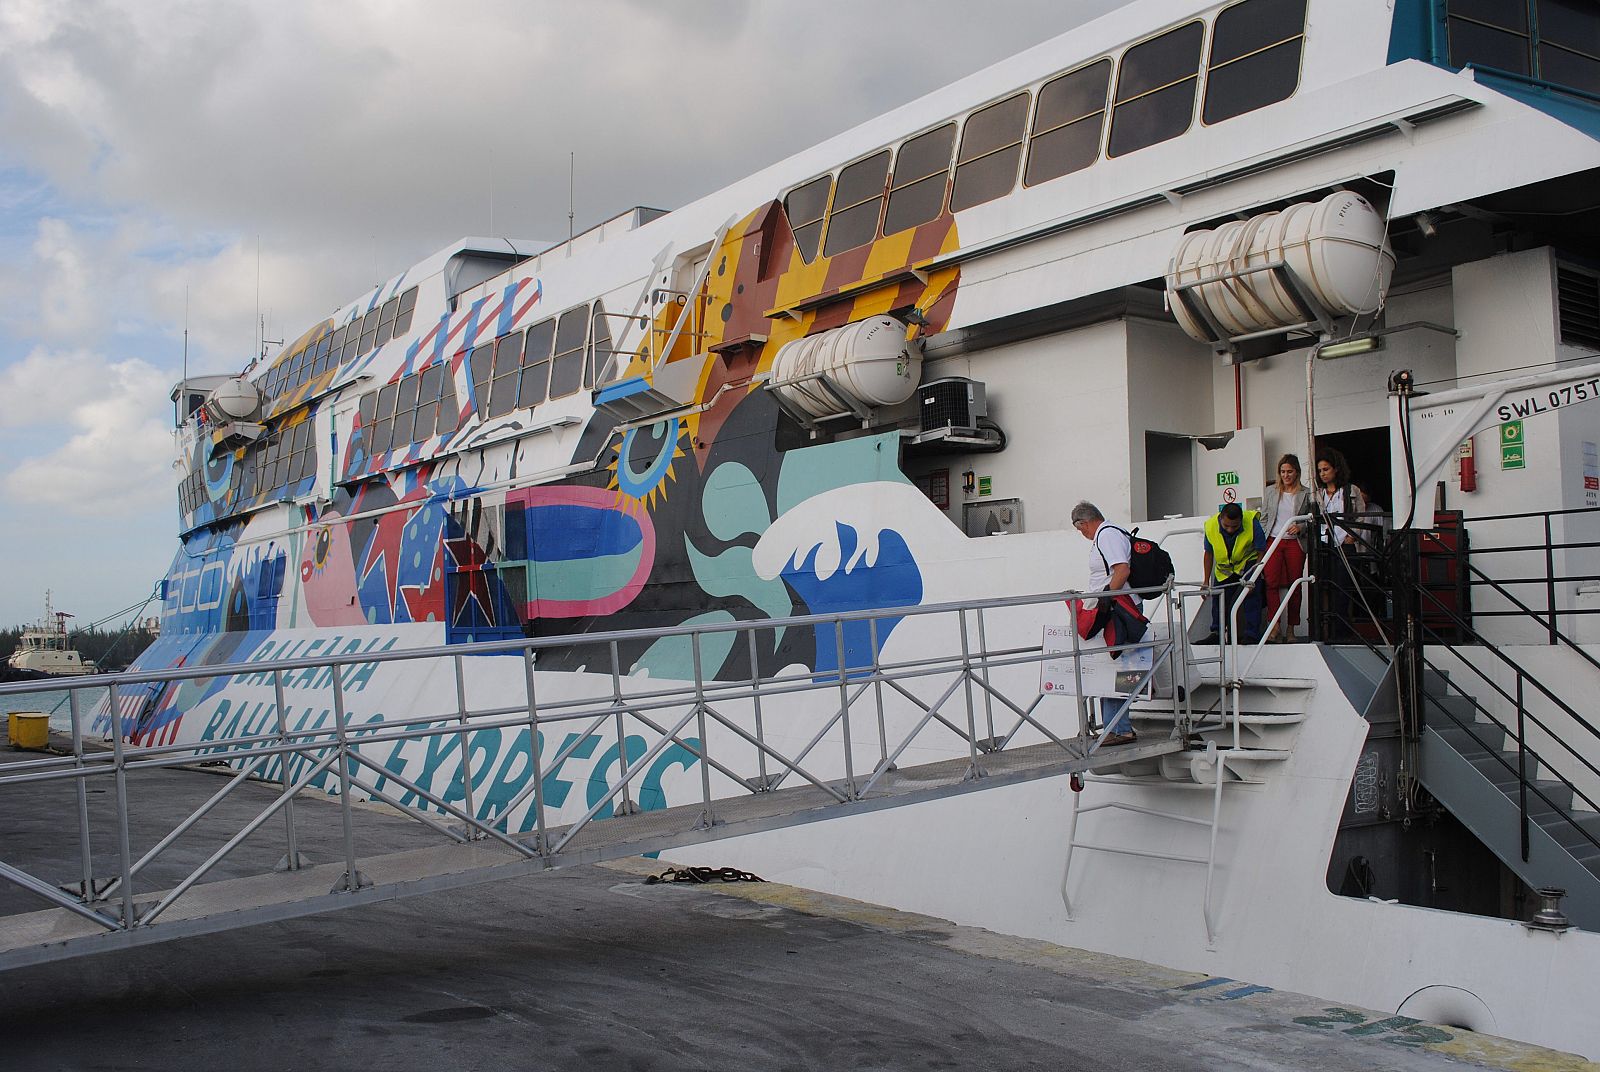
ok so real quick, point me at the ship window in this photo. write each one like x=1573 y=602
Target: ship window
x=566 y=368
x=369 y=330
x=1559 y=43
x=386 y=321
x=1255 y=57
x=805 y=207
x=1067 y=123
x=405 y=411
x=481 y=367
x=384 y=425
x=921 y=170
x=854 y=218
x=427 y=403
x=600 y=352
x=352 y=341
x=449 y=408
x=991 y=146
x=402 y=320
x=364 y=410
x=536 y=363
x=336 y=347
x=1155 y=90
x=322 y=361
x=507 y=359
x=1492 y=33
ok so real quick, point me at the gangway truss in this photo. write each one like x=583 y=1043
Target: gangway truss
x=868 y=735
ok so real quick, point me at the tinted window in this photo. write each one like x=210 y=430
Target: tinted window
x=402 y=320
x=536 y=363
x=805 y=206
x=1569 y=50
x=405 y=411
x=369 y=330
x=365 y=409
x=507 y=361
x=920 y=171
x=991 y=146
x=854 y=219
x=449 y=409
x=481 y=365
x=427 y=402
x=1155 y=90
x=352 y=341
x=384 y=424
x=601 y=354
x=1255 y=57
x=1569 y=68
x=1067 y=123
x=386 y=320
x=566 y=368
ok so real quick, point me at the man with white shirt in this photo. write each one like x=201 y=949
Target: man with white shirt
x=1110 y=552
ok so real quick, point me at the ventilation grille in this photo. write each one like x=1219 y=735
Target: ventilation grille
x=953 y=402
x=1578 y=302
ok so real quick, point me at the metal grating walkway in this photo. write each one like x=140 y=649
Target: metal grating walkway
x=56 y=934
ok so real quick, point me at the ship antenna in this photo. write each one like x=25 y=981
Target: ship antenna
x=572 y=174
x=186 y=332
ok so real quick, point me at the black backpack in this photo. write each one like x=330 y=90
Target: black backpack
x=1149 y=565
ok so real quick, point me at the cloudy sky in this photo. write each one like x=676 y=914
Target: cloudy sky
x=222 y=156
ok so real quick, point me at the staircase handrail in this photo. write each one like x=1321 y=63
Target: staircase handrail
x=1232 y=675
x=1531 y=613
x=1524 y=783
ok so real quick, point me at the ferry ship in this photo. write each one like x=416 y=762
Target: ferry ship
x=1132 y=265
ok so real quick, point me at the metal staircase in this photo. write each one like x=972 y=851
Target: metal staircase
x=1543 y=828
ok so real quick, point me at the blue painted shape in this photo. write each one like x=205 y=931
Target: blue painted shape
x=1415 y=31
x=627 y=388
x=1244 y=992
x=639 y=483
x=1215 y=980
x=894 y=580
x=508 y=312
x=561 y=532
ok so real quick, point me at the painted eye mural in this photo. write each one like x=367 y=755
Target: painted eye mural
x=645 y=457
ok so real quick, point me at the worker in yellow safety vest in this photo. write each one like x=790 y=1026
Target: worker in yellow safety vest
x=1234 y=544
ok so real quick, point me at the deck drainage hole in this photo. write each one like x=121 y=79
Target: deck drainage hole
x=449 y=1015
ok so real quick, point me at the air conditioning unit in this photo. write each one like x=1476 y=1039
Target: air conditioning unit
x=954 y=402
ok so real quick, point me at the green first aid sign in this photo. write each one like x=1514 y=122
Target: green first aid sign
x=1513 y=455
x=1224 y=479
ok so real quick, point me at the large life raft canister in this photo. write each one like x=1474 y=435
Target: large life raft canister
x=870 y=360
x=1336 y=247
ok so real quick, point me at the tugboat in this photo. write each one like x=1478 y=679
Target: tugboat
x=45 y=651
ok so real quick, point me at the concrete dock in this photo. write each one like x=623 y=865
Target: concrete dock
x=593 y=968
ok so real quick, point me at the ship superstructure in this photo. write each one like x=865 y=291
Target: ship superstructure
x=879 y=373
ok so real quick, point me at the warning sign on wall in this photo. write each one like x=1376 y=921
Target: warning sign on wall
x=1512 y=454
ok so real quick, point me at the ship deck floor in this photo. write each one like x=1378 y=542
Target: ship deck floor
x=590 y=967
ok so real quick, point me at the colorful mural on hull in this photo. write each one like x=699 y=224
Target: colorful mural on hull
x=718 y=511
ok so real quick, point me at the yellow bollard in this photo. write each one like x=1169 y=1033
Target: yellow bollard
x=28 y=729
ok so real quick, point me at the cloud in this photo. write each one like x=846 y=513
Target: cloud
x=115 y=457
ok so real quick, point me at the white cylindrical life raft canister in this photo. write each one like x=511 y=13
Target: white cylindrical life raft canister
x=235 y=399
x=1336 y=248
x=871 y=360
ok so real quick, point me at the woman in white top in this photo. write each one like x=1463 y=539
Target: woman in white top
x=1339 y=500
x=1280 y=504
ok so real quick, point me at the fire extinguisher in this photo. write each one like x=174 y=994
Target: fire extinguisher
x=1469 y=467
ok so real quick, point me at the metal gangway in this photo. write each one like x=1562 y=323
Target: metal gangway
x=773 y=751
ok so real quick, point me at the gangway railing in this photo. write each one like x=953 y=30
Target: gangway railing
x=772 y=750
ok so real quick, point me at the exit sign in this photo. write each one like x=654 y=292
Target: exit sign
x=1224 y=479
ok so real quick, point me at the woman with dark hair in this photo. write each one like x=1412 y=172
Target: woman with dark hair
x=1283 y=501
x=1339 y=500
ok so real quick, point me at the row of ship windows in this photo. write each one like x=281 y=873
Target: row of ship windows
x=270 y=466
x=1254 y=61
x=552 y=359
x=1552 y=40
x=390 y=320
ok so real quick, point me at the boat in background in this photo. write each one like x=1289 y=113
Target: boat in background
x=46 y=650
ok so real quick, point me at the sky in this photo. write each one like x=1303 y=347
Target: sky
x=207 y=163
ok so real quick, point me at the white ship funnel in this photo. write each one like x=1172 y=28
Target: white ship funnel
x=1336 y=247
x=871 y=360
